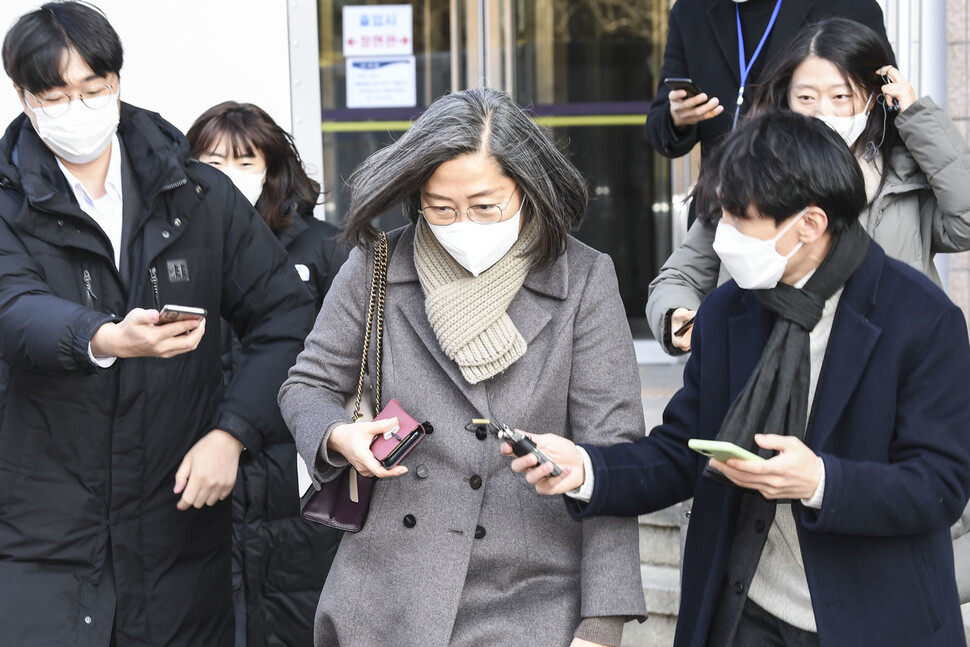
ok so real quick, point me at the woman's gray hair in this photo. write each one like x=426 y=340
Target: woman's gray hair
x=456 y=124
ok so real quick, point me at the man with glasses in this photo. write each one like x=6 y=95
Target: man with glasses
x=118 y=444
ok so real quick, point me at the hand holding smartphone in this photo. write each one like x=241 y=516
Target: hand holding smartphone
x=891 y=102
x=680 y=332
x=721 y=450
x=679 y=83
x=171 y=313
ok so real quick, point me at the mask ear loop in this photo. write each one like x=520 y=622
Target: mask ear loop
x=872 y=149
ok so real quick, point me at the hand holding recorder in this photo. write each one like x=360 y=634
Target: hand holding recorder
x=560 y=453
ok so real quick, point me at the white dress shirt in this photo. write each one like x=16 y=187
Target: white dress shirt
x=106 y=211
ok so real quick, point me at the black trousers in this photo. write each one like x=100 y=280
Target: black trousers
x=758 y=628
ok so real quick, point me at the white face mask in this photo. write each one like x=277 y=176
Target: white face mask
x=249 y=184
x=478 y=247
x=849 y=128
x=81 y=134
x=753 y=263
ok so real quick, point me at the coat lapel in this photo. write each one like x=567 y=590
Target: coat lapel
x=723 y=20
x=748 y=333
x=851 y=343
x=724 y=25
x=412 y=307
x=530 y=311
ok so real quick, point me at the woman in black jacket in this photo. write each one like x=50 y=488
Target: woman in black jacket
x=275 y=593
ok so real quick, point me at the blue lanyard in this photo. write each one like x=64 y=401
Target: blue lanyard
x=745 y=67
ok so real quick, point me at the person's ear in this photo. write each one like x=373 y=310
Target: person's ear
x=813 y=225
x=22 y=95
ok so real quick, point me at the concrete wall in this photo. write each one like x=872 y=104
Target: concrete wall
x=183 y=56
x=958 y=105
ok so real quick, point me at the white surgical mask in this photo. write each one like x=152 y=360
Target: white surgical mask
x=753 y=263
x=249 y=184
x=849 y=128
x=81 y=134
x=477 y=247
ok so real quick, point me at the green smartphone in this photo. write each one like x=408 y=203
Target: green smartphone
x=721 y=450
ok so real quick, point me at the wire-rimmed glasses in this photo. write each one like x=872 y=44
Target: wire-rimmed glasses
x=56 y=104
x=482 y=214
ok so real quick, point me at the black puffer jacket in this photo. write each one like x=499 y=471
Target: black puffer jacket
x=89 y=530
x=280 y=561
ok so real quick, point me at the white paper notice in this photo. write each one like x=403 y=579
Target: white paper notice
x=381 y=82
x=377 y=30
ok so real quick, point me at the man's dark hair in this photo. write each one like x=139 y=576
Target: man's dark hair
x=781 y=162
x=34 y=48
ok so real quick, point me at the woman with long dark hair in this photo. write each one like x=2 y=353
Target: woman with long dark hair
x=915 y=162
x=280 y=561
x=262 y=161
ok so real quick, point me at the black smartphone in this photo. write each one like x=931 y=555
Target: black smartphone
x=680 y=332
x=399 y=452
x=170 y=313
x=677 y=83
x=891 y=103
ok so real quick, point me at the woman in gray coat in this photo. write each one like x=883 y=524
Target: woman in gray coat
x=492 y=311
x=915 y=162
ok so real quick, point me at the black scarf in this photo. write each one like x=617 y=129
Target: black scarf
x=775 y=399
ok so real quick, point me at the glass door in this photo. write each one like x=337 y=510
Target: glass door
x=357 y=122
x=585 y=68
x=588 y=69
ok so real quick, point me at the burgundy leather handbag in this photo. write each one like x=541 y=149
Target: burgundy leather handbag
x=343 y=502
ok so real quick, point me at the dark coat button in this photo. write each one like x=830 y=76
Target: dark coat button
x=428 y=427
x=409 y=521
x=481 y=434
x=759 y=526
x=422 y=471
x=475 y=481
x=479 y=532
x=738 y=587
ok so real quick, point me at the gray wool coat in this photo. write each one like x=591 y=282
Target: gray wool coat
x=486 y=561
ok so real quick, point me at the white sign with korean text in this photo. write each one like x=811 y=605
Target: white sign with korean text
x=381 y=82
x=377 y=30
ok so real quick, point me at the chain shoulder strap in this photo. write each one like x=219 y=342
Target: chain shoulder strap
x=375 y=310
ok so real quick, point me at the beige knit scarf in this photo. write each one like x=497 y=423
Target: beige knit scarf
x=467 y=313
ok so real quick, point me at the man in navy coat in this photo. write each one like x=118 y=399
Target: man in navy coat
x=843 y=367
